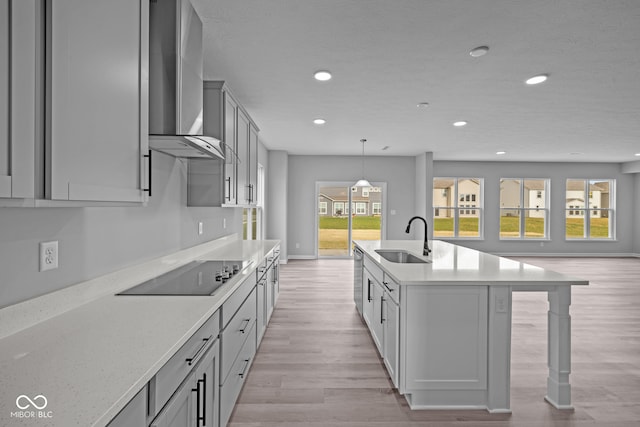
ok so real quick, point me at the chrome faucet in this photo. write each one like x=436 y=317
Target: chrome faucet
x=425 y=248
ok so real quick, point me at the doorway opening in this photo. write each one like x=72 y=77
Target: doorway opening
x=345 y=213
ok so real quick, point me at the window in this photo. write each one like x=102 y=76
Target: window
x=322 y=208
x=365 y=191
x=338 y=209
x=457 y=207
x=524 y=208
x=359 y=208
x=377 y=208
x=591 y=217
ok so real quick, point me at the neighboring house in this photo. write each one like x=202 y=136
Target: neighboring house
x=334 y=201
x=534 y=196
x=598 y=199
x=468 y=197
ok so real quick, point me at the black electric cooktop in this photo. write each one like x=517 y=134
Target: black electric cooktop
x=194 y=278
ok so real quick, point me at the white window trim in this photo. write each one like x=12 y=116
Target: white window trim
x=586 y=236
x=521 y=210
x=479 y=207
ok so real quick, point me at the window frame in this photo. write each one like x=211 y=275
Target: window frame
x=522 y=236
x=585 y=212
x=460 y=207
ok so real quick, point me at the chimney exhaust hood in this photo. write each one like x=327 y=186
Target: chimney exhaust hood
x=176 y=83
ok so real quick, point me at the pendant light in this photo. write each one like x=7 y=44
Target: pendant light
x=362 y=182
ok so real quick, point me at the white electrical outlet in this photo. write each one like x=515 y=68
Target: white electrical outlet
x=48 y=255
x=297 y=245
x=224 y=222
x=200 y=228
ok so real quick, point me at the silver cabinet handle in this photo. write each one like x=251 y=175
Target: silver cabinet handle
x=382 y=319
x=244 y=370
x=192 y=360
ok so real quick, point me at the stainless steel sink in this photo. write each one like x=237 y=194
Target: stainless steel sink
x=400 y=256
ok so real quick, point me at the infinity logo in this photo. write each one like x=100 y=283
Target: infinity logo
x=30 y=402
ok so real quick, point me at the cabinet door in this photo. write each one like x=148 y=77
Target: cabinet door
x=390 y=337
x=260 y=316
x=377 y=321
x=180 y=411
x=18 y=90
x=252 y=172
x=97 y=125
x=243 y=155
x=207 y=390
x=367 y=297
x=230 y=138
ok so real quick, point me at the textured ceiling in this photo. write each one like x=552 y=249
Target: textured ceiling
x=387 y=56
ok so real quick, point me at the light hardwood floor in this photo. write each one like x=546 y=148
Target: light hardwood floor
x=317 y=365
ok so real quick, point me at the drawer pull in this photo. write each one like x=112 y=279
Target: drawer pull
x=191 y=360
x=243 y=329
x=386 y=285
x=244 y=370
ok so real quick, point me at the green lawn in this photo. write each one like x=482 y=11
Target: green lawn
x=358 y=223
x=509 y=226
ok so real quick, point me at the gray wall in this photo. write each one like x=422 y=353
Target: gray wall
x=636 y=215
x=277 y=196
x=304 y=171
x=558 y=173
x=94 y=241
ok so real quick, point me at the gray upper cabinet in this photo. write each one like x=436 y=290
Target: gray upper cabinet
x=224 y=118
x=19 y=36
x=96 y=110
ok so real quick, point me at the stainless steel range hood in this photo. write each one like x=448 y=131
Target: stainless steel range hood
x=175 y=82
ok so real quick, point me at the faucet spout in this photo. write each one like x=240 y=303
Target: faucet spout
x=425 y=248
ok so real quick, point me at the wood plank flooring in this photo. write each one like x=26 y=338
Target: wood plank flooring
x=317 y=365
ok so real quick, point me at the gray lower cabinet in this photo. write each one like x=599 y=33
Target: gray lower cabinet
x=195 y=402
x=238 y=344
x=134 y=414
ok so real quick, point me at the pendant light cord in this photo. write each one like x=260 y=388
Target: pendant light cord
x=363 y=141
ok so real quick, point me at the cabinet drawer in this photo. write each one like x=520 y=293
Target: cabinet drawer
x=233 y=303
x=236 y=333
x=176 y=369
x=373 y=268
x=392 y=288
x=231 y=388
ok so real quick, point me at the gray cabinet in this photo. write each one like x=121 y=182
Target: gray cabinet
x=19 y=82
x=224 y=118
x=96 y=92
x=134 y=414
x=73 y=102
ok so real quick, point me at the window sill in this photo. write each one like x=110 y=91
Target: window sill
x=592 y=240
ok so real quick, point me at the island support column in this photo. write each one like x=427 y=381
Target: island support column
x=499 y=375
x=559 y=347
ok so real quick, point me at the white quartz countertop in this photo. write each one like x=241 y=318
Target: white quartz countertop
x=456 y=265
x=90 y=360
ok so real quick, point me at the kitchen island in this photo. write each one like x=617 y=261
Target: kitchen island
x=443 y=326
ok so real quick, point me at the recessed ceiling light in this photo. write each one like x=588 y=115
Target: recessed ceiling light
x=500 y=153
x=479 y=51
x=637 y=154
x=536 y=79
x=319 y=121
x=422 y=104
x=460 y=123
x=322 y=75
